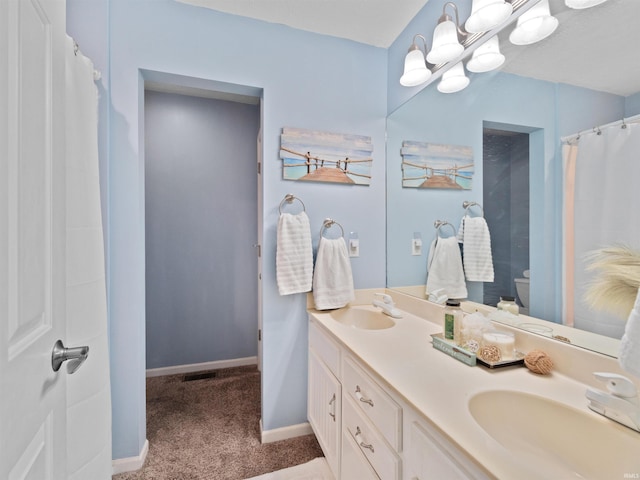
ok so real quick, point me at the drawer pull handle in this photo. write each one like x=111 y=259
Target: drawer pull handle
x=358 y=437
x=333 y=402
x=361 y=397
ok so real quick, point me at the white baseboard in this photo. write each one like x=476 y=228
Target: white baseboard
x=131 y=464
x=292 y=431
x=200 y=367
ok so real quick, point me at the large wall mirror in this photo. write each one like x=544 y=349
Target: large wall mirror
x=585 y=75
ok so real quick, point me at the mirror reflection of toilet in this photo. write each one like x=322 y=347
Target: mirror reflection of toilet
x=522 y=287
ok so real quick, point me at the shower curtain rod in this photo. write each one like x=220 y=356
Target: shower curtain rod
x=624 y=121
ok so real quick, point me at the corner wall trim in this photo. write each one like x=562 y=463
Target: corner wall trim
x=130 y=464
x=199 y=367
x=292 y=431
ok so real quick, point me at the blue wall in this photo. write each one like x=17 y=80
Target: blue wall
x=201 y=225
x=632 y=105
x=308 y=81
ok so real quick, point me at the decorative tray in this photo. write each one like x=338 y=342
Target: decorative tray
x=470 y=358
x=519 y=360
x=453 y=350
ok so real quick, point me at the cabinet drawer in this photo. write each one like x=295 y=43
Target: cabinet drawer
x=381 y=456
x=324 y=347
x=354 y=464
x=374 y=402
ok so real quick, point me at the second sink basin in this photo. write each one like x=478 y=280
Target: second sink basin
x=556 y=438
x=364 y=317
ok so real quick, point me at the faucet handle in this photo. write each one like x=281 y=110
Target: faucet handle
x=385 y=298
x=618 y=385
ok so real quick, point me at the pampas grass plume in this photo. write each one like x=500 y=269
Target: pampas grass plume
x=617 y=279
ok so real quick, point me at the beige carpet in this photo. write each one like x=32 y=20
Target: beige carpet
x=208 y=429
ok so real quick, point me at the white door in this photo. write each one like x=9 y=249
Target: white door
x=32 y=239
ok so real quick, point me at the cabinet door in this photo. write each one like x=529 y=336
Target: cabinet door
x=428 y=458
x=324 y=410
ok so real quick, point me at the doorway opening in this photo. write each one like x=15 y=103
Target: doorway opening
x=203 y=210
x=505 y=158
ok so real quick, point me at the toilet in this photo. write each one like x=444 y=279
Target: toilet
x=522 y=287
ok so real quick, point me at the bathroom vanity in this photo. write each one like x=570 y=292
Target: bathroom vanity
x=385 y=404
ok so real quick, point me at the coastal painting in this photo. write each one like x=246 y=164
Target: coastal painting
x=431 y=165
x=315 y=156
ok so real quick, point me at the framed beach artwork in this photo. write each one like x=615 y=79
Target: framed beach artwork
x=315 y=156
x=432 y=165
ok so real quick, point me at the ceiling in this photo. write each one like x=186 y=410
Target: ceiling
x=591 y=48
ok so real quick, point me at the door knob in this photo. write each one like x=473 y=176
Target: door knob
x=75 y=355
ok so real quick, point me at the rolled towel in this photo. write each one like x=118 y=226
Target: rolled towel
x=332 y=276
x=294 y=254
x=629 y=356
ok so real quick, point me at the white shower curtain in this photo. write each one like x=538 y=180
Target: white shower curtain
x=602 y=208
x=88 y=390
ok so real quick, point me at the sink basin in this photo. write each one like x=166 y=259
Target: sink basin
x=364 y=317
x=554 y=438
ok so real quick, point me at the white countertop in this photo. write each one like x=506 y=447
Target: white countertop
x=439 y=387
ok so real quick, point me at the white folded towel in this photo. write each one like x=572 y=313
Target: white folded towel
x=476 y=248
x=629 y=356
x=332 y=277
x=444 y=267
x=294 y=254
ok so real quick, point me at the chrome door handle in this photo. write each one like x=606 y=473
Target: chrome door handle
x=60 y=354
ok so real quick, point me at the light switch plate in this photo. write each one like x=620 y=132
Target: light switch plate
x=354 y=247
x=416 y=246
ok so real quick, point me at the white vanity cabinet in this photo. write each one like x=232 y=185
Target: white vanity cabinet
x=324 y=395
x=368 y=431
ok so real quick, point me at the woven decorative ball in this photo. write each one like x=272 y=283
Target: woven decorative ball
x=490 y=353
x=538 y=362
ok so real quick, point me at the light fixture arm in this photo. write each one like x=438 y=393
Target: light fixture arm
x=446 y=17
x=414 y=44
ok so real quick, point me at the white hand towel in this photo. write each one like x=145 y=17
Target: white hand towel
x=332 y=277
x=444 y=267
x=476 y=248
x=294 y=254
x=629 y=356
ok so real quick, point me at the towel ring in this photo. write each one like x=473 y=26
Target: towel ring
x=441 y=223
x=467 y=205
x=289 y=198
x=328 y=223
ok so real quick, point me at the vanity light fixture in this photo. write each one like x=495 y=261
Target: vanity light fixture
x=415 y=67
x=534 y=25
x=486 y=14
x=453 y=80
x=579 y=4
x=534 y=22
x=446 y=44
x=487 y=57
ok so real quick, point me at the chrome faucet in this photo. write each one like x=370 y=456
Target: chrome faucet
x=385 y=302
x=620 y=403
